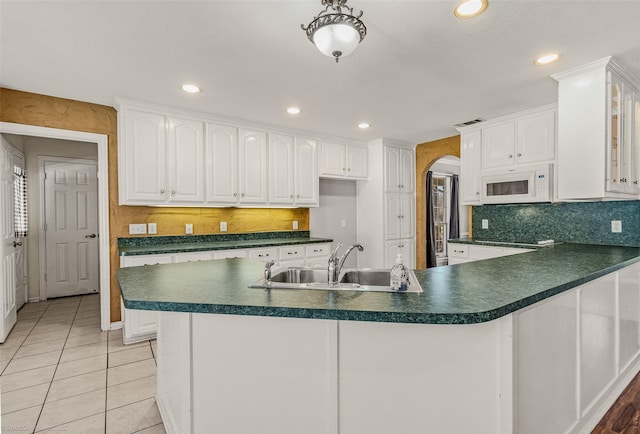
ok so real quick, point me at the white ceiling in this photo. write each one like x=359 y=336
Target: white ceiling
x=418 y=72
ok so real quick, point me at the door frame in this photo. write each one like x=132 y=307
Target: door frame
x=103 y=199
x=42 y=214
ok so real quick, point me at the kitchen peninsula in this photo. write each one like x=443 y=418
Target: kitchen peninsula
x=536 y=342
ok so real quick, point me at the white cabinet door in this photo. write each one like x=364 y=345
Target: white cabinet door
x=407 y=169
x=332 y=159
x=186 y=151
x=306 y=172
x=357 y=162
x=536 y=138
x=392 y=180
x=140 y=325
x=392 y=217
x=498 y=144
x=143 y=160
x=406 y=206
x=264 y=255
x=281 y=169
x=253 y=167
x=226 y=254
x=222 y=164
x=470 y=163
x=406 y=247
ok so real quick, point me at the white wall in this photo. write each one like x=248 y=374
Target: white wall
x=34 y=147
x=337 y=203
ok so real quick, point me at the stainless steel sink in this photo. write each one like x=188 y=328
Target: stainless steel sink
x=349 y=280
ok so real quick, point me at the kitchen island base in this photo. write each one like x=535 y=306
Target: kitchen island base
x=554 y=367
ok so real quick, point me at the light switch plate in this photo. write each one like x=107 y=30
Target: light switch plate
x=485 y=224
x=295 y=224
x=188 y=228
x=151 y=228
x=137 y=229
x=223 y=226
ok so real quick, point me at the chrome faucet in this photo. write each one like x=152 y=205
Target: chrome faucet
x=336 y=264
x=267 y=272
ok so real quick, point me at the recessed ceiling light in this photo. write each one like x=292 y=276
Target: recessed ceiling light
x=190 y=88
x=470 y=8
x=363 y=125
x=547 y=58
x=293 y=110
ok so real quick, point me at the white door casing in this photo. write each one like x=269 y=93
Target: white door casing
x=7 y=244
x=71 y=228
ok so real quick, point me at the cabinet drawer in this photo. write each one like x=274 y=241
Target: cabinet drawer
x=317 y=250
x=291 y=252
x=458 y=251
x=264 y=254
x=226 y=254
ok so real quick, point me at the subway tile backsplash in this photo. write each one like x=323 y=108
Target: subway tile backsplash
x=575 y=222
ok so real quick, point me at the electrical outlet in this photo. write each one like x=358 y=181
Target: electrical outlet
x=616 y=226
x=343 y=223
x=188 y=228
x=485 y=224
x=295 y=224
x=137 y=229
x=151 y=228
x=223 y=226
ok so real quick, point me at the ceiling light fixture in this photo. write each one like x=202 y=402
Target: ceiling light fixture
x=363 y=125
x=470 y=8
x=546 y=59
x=293 y=110
x=334 y=32
x=190 y=88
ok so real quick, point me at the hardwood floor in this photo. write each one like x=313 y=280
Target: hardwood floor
x=624 y=416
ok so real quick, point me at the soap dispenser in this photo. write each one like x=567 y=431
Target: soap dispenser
x=399 y=275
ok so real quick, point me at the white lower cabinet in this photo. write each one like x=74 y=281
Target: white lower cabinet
x=460 y=253
x=392 y=248
x=140 y=325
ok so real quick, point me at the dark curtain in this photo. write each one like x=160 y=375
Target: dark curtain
x=454 y=210
x=431 y=236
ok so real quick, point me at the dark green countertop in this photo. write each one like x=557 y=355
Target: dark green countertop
x=198 y=243
x=467 y=293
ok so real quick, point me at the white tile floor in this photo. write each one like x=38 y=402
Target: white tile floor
x=59 y=372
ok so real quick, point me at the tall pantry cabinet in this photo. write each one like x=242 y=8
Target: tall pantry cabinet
x=391 y=187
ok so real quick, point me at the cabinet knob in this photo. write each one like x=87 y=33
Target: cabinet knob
x=161 y=191
x=235 y=194
x=349 y=170
x=298 y=196
x=290 y=196
x=519 y=154
x=477 y=193
x=242 y=195
x=635 y=182
x=173 y=192
x=510 y=156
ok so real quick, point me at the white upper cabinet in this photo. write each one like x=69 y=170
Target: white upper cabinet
x=161 y=160
x=524 y=140
x=470 y=173
x=399 y=170
x=343 y=161
x=281 y=169
x=306 y=172
x=186 y=156
x=598 y=138
x=222 y=164
x=293 y=171
x=252 y=167
x=142 y=175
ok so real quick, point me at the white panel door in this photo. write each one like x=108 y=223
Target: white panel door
x=332 y=159
x=71 y=215
x=281 y=171
x=186 y=149
x=498 y=144
x=357 y=162
x=392 y=169
x=536 y=140
x=145 y=158
x=253 y=167
x=7 y=244
x=306 y=172
x=222 y=164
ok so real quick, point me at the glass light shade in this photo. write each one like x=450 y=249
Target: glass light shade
x=333 y=38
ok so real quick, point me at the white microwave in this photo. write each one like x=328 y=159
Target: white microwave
x=521 y=185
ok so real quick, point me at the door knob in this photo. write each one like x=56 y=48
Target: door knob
x=17 y=243
x=90 y=236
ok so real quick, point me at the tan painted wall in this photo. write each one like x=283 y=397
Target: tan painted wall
x=426 y=155
x=47 y=111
